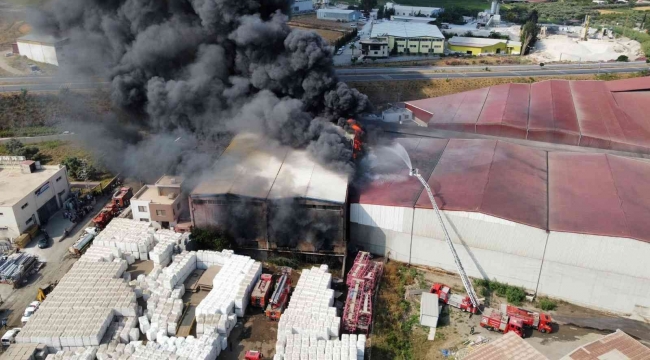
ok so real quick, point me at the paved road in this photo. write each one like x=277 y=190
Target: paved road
x=47 y=83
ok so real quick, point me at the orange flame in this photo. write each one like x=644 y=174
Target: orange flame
x=357 y=142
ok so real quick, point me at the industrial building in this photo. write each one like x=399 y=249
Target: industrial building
x=415 y=19
x=338 y=15
x=608 y=115
x=405 y=10
x=271 y=197
x=29 y=194
x=162 y=202
x=303 y=6
x=483 y=46
x=408 y=37
x=42 y=48
x=569 y=225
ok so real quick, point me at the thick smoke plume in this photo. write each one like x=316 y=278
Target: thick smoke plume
x=196 y=69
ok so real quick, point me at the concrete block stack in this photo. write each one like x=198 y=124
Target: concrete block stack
x=300 y=346
x=232 y=285
x=81 y=308
x=132 y=237
x=310 y=321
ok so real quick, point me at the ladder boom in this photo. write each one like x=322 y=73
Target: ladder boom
x=461 y=271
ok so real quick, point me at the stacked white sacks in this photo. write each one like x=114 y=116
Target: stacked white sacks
x=121 y=331
x=167 y=243
x=207 y=347
x=302 y=346
x=130 y=236
x=78 y=354
x=176 y=273
x=205 y=259
x=232 y=285
x=179 y=240
x=310 y=310
x=101 y=254
x=79 y=311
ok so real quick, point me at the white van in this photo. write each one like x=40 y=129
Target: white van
x=10 y=337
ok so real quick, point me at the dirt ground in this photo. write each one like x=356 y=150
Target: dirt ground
x=454 y=326
x=330 y=35
x=561 y=47
x=252 y=332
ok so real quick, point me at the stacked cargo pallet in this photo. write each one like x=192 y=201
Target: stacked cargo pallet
x=132 y=237
x=81 y=308
x=362 y=281
x=233 y=284
x=15 y=266
x=310 y=319
x=302 y=346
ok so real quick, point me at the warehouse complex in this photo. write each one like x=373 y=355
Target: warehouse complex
x=482 y=46
x=29 y=194
x=405 y=38
x=567 y=225
x=608 y=115
x=273 y=197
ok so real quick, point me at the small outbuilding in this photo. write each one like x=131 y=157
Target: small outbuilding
x=42 y=48
x=429 y=312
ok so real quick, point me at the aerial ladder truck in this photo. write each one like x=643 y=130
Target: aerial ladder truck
x=459 y=266
x=280 y=296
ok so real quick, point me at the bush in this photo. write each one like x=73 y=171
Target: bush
x=210 y=239
x=283 y=261
x=515 y=295
x=547 y=304
x=622 y=58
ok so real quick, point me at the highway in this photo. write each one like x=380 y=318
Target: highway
x=50 y=84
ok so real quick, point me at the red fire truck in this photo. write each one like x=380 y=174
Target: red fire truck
x=280 y=297
x=262 y=291
x=540 y=321
x=458 y=301
x=495 y=320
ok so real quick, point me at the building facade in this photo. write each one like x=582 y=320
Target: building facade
x=30 y=195
x=483 y=46
x=45 y=49
x=304 y=6
x=374 y=48
x=162 y=202
x=338 y=15
x=409 y=38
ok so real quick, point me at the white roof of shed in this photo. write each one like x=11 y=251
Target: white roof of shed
x=337 y=11
x=405 y=29
x=429 y=310
x=479 y=42
x=417 y=19
x=253 y=167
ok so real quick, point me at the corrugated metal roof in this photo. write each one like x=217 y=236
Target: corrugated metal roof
x=618 y=345
x=584 y=113
x=634 y=84
x=559 y=191
x=252 y=167
x=417 y=19
x=506 y=347
x=405 y=30
x=429 y=310
x=479 y=42
x=45 y=39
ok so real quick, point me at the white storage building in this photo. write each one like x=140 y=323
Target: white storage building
x=568 y=225
x=303 y=6
x=415 y=19
x=42 y=48
x=29 y=194
x=338 y=15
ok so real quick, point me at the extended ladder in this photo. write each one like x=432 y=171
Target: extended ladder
x=461 y=271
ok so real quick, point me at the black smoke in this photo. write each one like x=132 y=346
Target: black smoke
x=195 y=70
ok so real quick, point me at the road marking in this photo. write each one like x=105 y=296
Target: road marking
x=386 y=77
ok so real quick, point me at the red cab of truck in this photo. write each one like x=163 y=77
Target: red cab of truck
x=495 y=320
x=540 y=321
x=253 y=355
x=262 y=291
x=458 y=301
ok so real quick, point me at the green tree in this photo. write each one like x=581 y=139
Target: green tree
x=388 y=13
x=453 y=15
x=353 y=47
x=13 y=146
x=529 y=33
x=623 y=58
x=368 y=5
x=29 y=152
x=74 y=165
x=354 y=60
x=210 y=239
x=380 y=12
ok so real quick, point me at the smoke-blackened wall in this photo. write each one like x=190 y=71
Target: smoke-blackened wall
x=195 y=69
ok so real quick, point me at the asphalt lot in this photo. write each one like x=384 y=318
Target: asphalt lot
x=58 y=262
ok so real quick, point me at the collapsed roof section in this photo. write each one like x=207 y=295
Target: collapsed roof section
x=559 y=191
x=256 y=168
x=607 y=115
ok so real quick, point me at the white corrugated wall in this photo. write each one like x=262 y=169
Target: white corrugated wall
x=596 y=271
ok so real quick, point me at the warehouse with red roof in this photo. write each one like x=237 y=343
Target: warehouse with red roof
x=598 y=114
x=570 y=225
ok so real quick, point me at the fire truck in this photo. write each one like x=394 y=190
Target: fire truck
x=122 y=197
x=105 y=215
x=495 y=320
x=280 y=296
x=262 y=291
x=458 y=301
x=539 y=321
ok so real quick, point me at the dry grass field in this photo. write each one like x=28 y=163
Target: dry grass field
x=330 y=35
x=382 y=92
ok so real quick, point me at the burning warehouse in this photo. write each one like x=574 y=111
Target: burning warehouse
x=272 y=197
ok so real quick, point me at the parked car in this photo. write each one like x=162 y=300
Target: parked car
x=27 y=314
x=339 y=51
x=43 y=242
x=353 y=25
x=9 y=337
